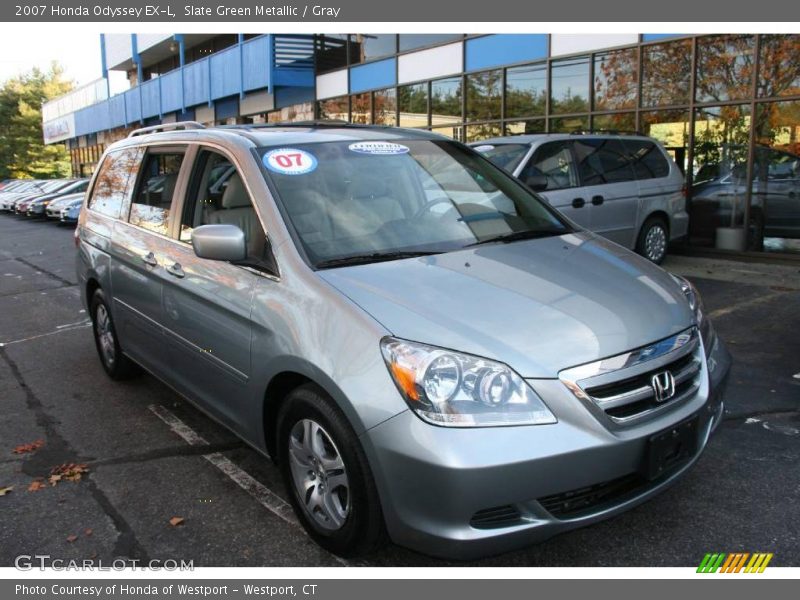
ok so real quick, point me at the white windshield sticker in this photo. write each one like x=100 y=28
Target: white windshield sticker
x=382 y=148
x=484 y=148
x=290 y=161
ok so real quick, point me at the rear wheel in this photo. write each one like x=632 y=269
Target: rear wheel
x=326 y=472
x=653 y=240
x=115 y=363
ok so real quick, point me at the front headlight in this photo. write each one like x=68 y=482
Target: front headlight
x=458 y=390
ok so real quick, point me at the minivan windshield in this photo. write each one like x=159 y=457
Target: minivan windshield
x=353 y=202
x=507 y=156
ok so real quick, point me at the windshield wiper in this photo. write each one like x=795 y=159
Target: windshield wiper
x=363 y=259
x=516 y=236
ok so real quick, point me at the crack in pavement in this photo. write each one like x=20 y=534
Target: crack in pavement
x=57 y=451
x=175 y=451
x=50 y=274
x=761 y=413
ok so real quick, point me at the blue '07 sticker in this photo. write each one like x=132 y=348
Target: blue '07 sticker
x=380 y=148
x=290 y=161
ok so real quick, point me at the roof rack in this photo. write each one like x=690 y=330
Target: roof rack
x=606 y=131
x=183 y=125
x=335 y=123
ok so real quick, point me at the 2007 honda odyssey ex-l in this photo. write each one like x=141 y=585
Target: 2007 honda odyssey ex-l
x=428 y=350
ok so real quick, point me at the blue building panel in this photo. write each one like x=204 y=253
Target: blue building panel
x=502 y=49
x=151 y=100
x=225 y=73
x=116 y=111
x=133 y=105
x=171 y=92
x=227 y=107
x=256 y=63
x=653 y=37
x=287 y=96
x=195 y=83
x=372 y=76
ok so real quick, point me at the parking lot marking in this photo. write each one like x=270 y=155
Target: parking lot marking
x=745 y=304
x=59 y=329
x=263 y=495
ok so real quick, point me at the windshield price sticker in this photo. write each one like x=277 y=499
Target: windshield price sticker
x=290 y=161
x=380 y=148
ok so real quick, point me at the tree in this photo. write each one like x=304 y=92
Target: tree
x=23 y=153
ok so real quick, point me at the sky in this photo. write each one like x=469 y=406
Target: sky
x=78 y=54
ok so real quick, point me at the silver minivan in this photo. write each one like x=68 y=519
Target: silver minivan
x=428 y=351
x=624 y=187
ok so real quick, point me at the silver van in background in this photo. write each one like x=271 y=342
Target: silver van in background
x=624 y=187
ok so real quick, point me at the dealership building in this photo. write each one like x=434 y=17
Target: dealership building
x=726 y=107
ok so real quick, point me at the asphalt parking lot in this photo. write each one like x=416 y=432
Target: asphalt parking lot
x=149 y=456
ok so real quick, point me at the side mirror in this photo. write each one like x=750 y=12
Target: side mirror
x=219 y=242
x=537 y=182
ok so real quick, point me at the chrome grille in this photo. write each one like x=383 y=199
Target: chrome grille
x=623 y=387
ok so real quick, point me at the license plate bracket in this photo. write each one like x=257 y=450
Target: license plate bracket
x=669 y=449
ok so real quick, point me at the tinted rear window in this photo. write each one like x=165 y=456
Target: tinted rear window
x=506 y=156
x=647 y=159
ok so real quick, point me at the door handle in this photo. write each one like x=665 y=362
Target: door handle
x=578 y=203
x=597 y=200
x=150 y=259
x=176 y=270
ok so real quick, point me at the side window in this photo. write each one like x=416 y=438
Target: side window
x=602 y=161
x=150 y=208
x=217 y=195
x=110 y=187
x=647 y=159
x=554 y=161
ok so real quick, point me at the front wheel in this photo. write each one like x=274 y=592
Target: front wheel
x=653 y=240
x=326 y=472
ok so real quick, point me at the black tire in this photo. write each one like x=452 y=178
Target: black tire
x=362 y=530
x=116 y=365
x=653 y=240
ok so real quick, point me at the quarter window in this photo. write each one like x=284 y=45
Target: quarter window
x=647 y=159
x=151 y=205
x=602 y=160
x=111 y=185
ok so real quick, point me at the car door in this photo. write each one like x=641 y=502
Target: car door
x=555 y=161
x=777 y=188
x=140 y=245
x=609 y=184
x=207 y=303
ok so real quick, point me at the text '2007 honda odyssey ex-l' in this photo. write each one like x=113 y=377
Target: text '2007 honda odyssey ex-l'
x=427 y=349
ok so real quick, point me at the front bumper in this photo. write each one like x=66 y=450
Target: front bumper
x=466 y=493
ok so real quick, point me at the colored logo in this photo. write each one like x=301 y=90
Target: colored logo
x=738 y=562
x=290 y=161
x=380 y=148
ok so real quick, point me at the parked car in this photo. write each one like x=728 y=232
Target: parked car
x=719 y=194
x=426 y=348
x=48 y=188
x=71 y=211
x=24 y=190
x=37 y=206
x=53 y=210
x=624 y=187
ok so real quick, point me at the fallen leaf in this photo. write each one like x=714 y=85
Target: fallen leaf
x=175 y=521
x=68 y=472
x=36 y=485
x=72 y=538
x=5 y=490
x=26 y=448
x=88 y=532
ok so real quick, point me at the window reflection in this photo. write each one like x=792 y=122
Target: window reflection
x=475 y=133
x=484 y=95
x=567 y=124
x=621 y=122
x=370 y=46
x=384 y=107
x=724 y=68
x=412 y=102
x=616 y=78
x=526 y=91
x=570 y=86
x=334 y=108
x=666 y=73
x=779 y=69
x=446 y=101
x=521 y=127
x=361 y=108
x=671 y=128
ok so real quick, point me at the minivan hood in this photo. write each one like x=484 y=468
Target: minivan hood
x=539 y=306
